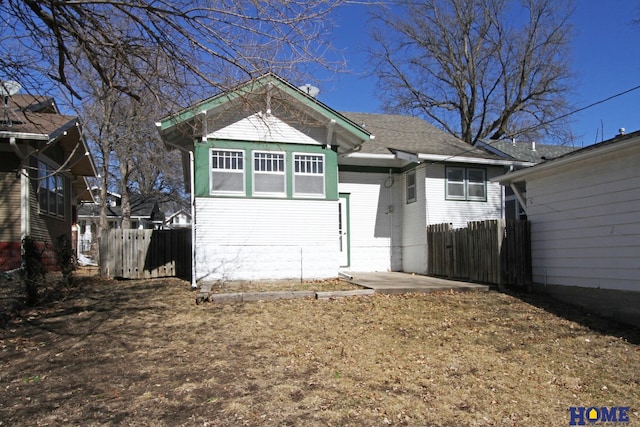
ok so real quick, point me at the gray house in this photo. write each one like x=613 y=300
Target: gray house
x=584 y=209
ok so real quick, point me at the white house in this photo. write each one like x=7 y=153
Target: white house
x=584 y=209
x=285 y=187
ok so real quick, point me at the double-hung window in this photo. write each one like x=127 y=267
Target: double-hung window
x=269 y=177
x=411 y=186
x=466 y=184
x=308 y=175
x=51 y=190
x=227 y=171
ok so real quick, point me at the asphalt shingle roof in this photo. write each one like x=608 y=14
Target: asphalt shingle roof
x=524 y=150
x=411 y=134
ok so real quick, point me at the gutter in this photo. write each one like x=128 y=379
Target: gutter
x=194 y=285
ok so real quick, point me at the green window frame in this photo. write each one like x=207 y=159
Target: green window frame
x=227 y=171
x=468 y=184
x=308 y=175
x=411 y=186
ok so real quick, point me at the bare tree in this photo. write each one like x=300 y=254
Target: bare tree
x=477 y=68
x=202 y=41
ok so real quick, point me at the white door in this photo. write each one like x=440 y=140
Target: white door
x=343 y=229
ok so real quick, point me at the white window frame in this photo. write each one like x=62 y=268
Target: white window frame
x=273 y=161
x=233 y=169
x=310 y=171
x=466 y=183
x=55 y=186
x=411 y=187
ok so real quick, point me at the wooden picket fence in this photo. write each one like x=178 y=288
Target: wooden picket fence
x=495 y=252
x=145 y=254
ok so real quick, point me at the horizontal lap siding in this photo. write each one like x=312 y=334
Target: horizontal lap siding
x=374 y=230
x=586 y=225
x=254 y=239
x=459 y=213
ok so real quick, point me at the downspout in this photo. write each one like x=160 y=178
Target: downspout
x=25 y=212
x=194 y=285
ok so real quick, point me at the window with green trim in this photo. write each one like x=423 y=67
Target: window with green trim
x=269 y=173
x=411 y=186
x=466 y=184
x=308 y=175
x=227 y=171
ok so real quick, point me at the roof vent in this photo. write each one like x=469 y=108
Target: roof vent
x=621 y=131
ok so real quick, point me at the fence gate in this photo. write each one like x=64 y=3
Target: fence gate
x=495 y=252
x=145 y=254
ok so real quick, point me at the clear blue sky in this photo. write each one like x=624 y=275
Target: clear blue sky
x=606 y=61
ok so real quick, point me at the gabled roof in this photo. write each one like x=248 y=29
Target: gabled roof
x=260 y=95
x=142 y=206
x=411 y=139
x=33 y=118
x=619 y=145
x=525 y=151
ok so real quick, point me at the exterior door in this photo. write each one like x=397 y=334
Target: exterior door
x=343 y=229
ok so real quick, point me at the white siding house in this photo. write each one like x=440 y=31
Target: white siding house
x=584 y=210
x=285 y=187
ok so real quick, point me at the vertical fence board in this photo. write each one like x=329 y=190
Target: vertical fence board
x=493 y=251
x=145 y=254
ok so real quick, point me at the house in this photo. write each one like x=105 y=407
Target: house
x=283 y=186
x=42 y=176
x=145 y=213
x=530 y=152
x=584 y=210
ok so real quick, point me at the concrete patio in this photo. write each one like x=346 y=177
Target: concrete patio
x=397 y=283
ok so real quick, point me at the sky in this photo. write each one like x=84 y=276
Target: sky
x=605 y=57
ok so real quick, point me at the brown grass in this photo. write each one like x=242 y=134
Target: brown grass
x=143 y=353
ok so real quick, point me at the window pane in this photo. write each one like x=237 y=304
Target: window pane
x=476 y=191
x=455 y=174
x=309 y=184
x=455 y=190
x=227 y=181
x=269 y=183
x=309 y=174
x=476 y=175
x=269 y=173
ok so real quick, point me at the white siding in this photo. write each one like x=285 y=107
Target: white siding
x=585 y=224
x=268 y=129
x=459 y=213
x=375 y=221
x=414 y=228
x=254 y=239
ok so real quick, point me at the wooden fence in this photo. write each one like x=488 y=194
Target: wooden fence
x=145 y=254
x=495 y=252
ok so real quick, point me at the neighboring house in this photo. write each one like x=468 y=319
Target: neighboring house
x=145 y=214
x=584 y=209
x=43 y=167
x=179 y=219
x=530 y=152
x=286 y=187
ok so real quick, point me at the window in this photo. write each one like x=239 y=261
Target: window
x=51 y=191
x=411 y=186
x=466 y=184
x=269 y=173
x=308 y=175
x=227 y=171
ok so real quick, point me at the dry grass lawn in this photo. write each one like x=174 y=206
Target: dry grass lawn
x=142 y=353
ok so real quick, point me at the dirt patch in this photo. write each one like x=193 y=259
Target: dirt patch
x=143 y=353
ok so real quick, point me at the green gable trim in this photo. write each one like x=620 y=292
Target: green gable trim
x=256 y=85
x=202 y=165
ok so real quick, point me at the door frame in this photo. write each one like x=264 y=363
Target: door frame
x=344 y=229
